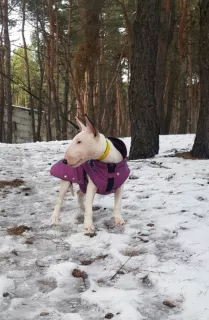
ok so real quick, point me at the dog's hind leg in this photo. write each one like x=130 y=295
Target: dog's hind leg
x=117 y=208
x=64 y=186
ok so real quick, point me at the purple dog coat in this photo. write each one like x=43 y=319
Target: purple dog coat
x=107 y=177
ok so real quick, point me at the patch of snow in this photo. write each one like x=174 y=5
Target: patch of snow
x=161 y=254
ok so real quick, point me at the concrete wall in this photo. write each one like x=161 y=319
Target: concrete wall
x=22 y=131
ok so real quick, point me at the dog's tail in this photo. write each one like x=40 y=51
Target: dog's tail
x=71 y=189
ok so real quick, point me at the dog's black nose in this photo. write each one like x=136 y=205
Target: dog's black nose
x=64 y=161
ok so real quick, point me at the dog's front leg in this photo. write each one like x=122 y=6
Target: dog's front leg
x=90 y=193
x=81 y=195
x=64 y=186
x=117 y=208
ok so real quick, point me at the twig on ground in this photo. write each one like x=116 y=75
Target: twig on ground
x=154 y=163
x=159 y=272
x=151 y=163
x=120 y=268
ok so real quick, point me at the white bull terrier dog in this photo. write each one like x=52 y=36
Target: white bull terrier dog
x=98 y=165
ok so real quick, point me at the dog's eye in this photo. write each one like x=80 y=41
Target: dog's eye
x=78 y=142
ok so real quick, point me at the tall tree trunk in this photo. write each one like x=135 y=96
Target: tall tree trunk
x=8 y=91
x=41 y=68
x=92 y=26
x=119 y=115
x=88 y=53
x=2 y=103
x=183 y=97
x=184 y=6
x=173 y=74
x=128 y=28
x=170 y=86
x=90 y=109
x=201 y=145
x=142 y=103
x=2 y=93
x=67 y=75
x=101 y=81
x=49 y=93
x=31 y=101
x=196 y=105
x=165 y=36
x=182 y=25
x=190 y=85
x=52 y=53
x=56 y=84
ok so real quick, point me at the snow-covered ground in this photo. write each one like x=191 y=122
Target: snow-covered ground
x=166 y=239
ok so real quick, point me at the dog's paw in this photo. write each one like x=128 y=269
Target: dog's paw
x=55 y=219
x=88 y=225
x=119 y=221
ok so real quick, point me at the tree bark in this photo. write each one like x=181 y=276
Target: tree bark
x=173 y=74
x=128 y=27
x=49 y=99
x=190 y=86
x=201 y=145
x=101 y=81
x=2 y=103
x=167 y=23
x=8 y=91
x=183 y=97
x=88 y=53
x=52 y=55
x=182 y=25
x=67 y=75
x=31 y=102
x=142 y=102
x=41 y=67
x=56 y=84
x=2 y=93
x=182 y=34
x=90 y=90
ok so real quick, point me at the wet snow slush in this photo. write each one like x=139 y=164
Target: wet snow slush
x=155 y=268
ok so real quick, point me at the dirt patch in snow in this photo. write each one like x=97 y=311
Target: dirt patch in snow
x=12 y=184
x=186 y=155
x=16 y=231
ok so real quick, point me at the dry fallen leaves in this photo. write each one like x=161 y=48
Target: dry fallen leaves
x=169 y=304
x=13 y=183
x=79 y=274
x=17 y=230
x=44 y=314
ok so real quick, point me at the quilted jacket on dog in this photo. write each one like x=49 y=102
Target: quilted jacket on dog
x=107 y=177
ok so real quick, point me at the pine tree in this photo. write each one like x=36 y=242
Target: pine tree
x=144 y=121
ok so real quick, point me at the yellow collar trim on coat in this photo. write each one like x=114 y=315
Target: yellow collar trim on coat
x=107 y=151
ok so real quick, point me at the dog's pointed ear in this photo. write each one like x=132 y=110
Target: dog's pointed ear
x=90 y=127
x=80 y=124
